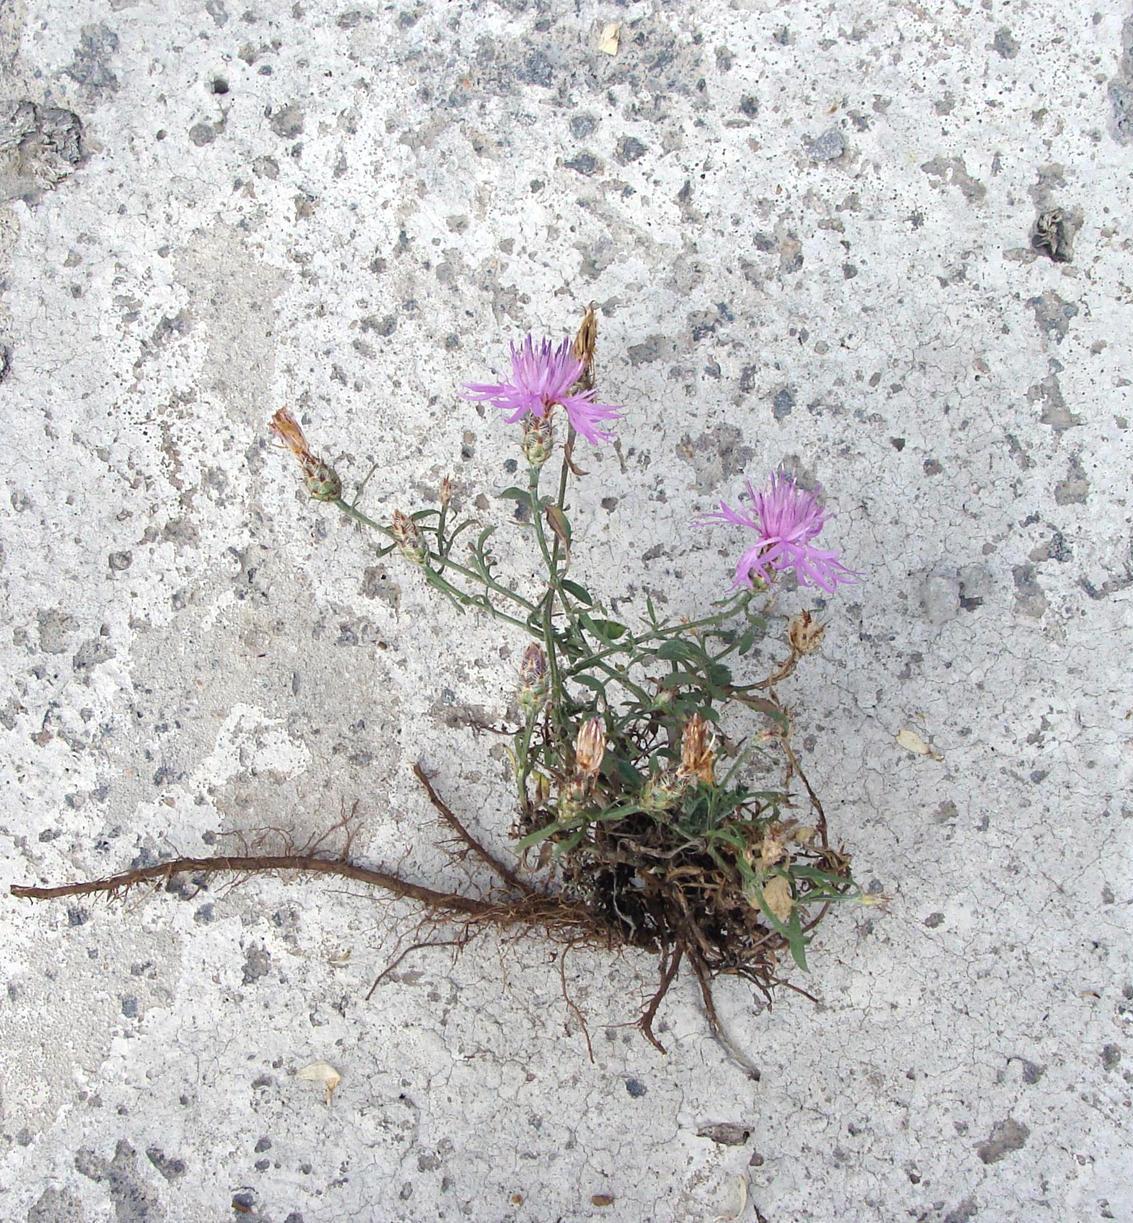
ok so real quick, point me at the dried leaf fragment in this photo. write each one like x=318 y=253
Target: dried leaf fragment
x=912 y=742
x=601 y=1199
x=726 y=1133
x=321 y=1072
x=610 y=37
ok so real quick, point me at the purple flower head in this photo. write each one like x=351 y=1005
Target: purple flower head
x=786 y=520
x=540 y=378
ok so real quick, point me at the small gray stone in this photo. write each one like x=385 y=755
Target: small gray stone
x=827 y=147
x=940 y=598
x=288 y=121
x=1005 y=43
x=1007 y=1136
x=629 y=149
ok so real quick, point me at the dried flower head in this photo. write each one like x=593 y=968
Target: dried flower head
x=786 y=519
x=585 y=342
x=445 y=496
x=320 y=478
x=589 y=748
x=542 y=377
x=698 y=755
x=805 y=633
x=773 y=849
x=663 y=792
x=407 y=535
x=777 y=896
x=532 y=678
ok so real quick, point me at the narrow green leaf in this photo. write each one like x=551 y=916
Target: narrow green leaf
x=590 y=681
x=579 y=592
x=540 y=834
x=674 y=650
x=604 y=630
x=718 y=675
x=517 y=494
x=559 y=523
x=617 y=813
x=796 y=940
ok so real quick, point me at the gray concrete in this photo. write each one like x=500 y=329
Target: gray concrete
x=809 y=229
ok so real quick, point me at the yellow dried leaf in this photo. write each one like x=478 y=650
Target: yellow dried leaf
x=777 y=895
x=321 y=1072
x=610 y=37
x=912 y=742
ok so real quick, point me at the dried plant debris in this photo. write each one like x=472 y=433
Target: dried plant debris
x=1054 y=232
x=660 y=804
x=323 y=1073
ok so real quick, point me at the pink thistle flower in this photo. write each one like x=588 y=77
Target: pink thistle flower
x=786 y=519
x=540 y=378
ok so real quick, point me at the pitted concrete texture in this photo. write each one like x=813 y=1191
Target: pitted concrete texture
x=886 y=244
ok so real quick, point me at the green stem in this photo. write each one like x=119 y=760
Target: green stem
x=564 y=476
x=444 y=562
x=664 y=631
x=550 y=639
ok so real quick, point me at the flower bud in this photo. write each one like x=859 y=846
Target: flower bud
x=805 y=633
x=570 y=802
x=320 y=478
x=532 y=678
x=407 y=535
x=698 y=755
x=323 y=483
x=446 y=492
x=538 y=440
x=589 y=748
x=663 y=792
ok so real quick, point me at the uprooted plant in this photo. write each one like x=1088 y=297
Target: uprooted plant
x=646 y=818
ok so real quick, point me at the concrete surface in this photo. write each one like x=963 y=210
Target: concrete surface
x=809 y=231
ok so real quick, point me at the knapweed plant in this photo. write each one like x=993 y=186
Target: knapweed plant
x=659 y=802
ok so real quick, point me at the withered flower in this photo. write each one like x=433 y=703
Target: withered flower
x=772 y=850
x=407 y=535
x=584 y=345
x=446 y=492
x=532 y=678
x=320 y=478
x=698 y=755
x=805 y=633
x=589 y=748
